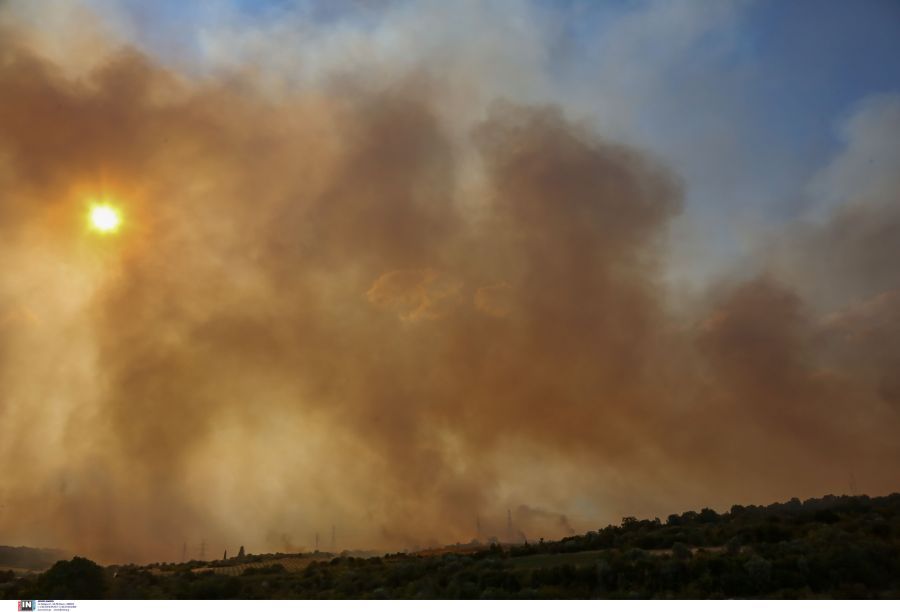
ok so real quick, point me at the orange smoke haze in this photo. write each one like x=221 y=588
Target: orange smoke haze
x=334 y=305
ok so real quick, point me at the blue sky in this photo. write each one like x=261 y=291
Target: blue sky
x=810 y=60
x=818 y=59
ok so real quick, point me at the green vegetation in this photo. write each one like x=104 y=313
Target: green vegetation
x=837 y=547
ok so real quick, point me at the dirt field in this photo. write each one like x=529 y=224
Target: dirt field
x=291 y=564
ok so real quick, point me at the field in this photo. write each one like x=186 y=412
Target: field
x=290 y=563
x=586 y=557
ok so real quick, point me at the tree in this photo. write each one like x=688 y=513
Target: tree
x=79 y=578
x=760 y=571
x=708 y=515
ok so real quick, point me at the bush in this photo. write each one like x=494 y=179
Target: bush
x=79 y=578
x=681 y=552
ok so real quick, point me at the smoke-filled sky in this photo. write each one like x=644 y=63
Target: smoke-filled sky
x=399 y=267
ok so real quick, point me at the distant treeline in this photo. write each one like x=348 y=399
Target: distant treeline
x=835 y=547
x=742 y=525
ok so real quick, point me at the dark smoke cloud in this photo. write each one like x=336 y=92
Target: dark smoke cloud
x=314 y=315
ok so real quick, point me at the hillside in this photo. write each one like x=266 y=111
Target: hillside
x=23 y=558
x=839 y=547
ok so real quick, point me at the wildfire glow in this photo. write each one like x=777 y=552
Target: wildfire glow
x=104 y=218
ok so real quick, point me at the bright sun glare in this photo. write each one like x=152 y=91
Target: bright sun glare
x=105 y=218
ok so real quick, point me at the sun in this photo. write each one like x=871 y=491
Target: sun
x=105 y=218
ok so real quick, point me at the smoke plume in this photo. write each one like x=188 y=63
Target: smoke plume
x=339 y=303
